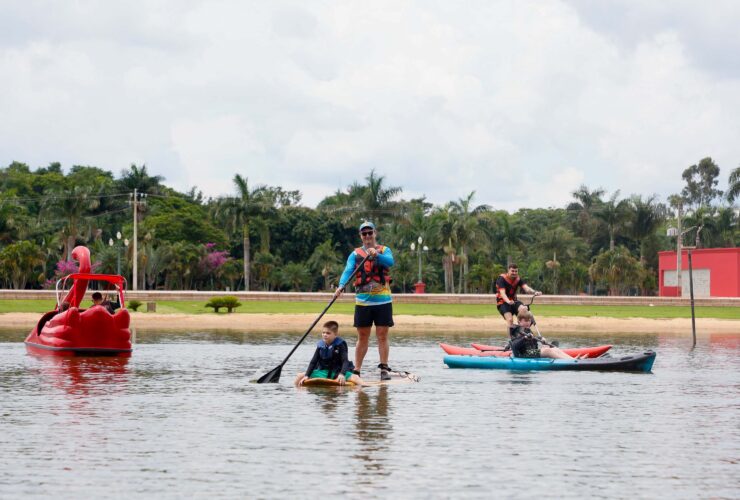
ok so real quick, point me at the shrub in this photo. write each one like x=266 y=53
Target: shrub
x=134 y=305
x=230 y=303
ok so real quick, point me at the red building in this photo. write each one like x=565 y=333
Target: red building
x=716 y=272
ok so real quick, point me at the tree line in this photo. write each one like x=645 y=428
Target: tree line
x=262 y=238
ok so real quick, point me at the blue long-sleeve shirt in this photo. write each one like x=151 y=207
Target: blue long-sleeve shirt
x=380 y=294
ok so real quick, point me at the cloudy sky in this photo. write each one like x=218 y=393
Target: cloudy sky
x=520 y=100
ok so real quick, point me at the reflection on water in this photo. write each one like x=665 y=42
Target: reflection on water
x=373 y=429
x=82 y=376
x=180 y=419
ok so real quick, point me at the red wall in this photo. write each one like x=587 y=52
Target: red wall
x=723 y=265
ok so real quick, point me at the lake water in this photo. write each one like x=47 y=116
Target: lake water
x=180 y=418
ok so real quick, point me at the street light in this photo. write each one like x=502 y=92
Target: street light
x=419 y=286
x=118 y=246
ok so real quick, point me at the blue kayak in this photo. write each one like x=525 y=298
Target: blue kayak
x=633 y=363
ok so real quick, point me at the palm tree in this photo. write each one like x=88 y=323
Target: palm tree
x=138 y=178
x=467 y=232
x=615 y=215
x=726 y=228
x=647 y=216
x=558 y=240
x=182 y=267
x=586 y=204
x=705 y=222
x=618 y=269
x=19 y=260
x=157 y=261
x=733 y=191
x=377 y=199
x=323 y=259
x=295 y=275
x=448 y=239
x=502 y=231
x=267 y=270
x=238 y=212
x=71 y=204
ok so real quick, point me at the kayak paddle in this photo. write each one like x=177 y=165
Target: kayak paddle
x=273 y=376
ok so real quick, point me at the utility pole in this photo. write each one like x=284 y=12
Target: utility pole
x=136 y=240
x=679 y=237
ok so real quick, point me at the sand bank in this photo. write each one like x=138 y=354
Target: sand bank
x=404 y=323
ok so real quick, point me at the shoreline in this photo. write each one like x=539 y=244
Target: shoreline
x=404 y=323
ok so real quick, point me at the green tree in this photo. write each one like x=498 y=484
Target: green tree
x=446 y=217
x=323 y=260
x=618 y=269
x=238 y=212
x=503 y=231
x=267 y=270
x=138 y=178
x=71 y=205
x=483 y=275
x=733 y=189
x=586 y=205
x=20 y=261
x=615 y=215
x=556 y=241
x=295 y=275
x=701 y=183
x=467 y=231
x=647 y=216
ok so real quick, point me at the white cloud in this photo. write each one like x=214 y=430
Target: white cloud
x=440 y=99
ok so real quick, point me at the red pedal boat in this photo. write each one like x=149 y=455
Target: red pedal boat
x=69 y=330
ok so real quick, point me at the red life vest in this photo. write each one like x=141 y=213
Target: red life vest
x=510 y=289
x=371 y=270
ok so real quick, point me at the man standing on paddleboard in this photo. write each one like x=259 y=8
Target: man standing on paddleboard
x=373 y=303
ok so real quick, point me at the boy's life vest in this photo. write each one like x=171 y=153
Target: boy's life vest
x=371 y=270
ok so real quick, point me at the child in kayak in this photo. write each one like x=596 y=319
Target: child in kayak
x=331 y=359
x=525 y=345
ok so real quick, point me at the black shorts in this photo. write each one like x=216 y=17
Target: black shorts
x=510 y=308
x=381 y=315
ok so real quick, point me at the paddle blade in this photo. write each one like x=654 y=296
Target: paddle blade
x=271 y=377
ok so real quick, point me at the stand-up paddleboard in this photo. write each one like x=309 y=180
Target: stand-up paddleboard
x=396 y=378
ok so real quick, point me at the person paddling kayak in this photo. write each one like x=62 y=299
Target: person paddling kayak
x=330 y=360
x=373 y=303
x=525 y=345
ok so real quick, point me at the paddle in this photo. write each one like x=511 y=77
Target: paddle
x=273 y=376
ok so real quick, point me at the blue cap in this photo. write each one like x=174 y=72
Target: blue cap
x=367 y=223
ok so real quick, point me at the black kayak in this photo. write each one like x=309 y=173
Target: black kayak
x=633 y=363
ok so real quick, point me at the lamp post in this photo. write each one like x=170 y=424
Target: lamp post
x=420 y=286
x=118 y=247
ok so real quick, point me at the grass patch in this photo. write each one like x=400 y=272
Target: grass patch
x=454 y=310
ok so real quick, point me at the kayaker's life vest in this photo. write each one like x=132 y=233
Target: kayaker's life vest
x=371 y=270
x=510 y=287
x=523 y=343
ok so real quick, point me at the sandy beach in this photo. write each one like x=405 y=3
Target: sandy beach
x=404 y=323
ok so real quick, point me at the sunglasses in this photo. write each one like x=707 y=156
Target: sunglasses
x=366 y=233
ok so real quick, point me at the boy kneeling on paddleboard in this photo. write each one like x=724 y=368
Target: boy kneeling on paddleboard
x=331 y=359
